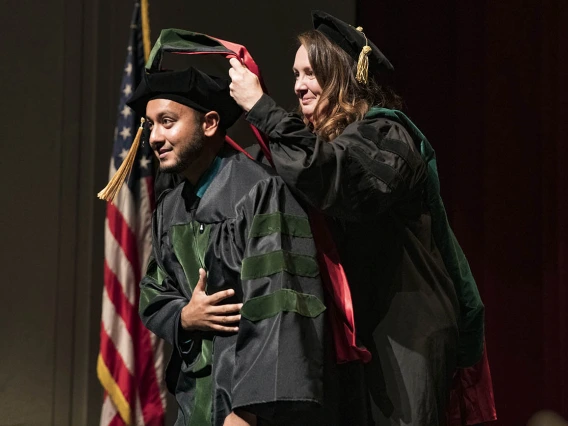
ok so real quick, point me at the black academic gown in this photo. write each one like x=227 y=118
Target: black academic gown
x=370 y=182
x=250 y=234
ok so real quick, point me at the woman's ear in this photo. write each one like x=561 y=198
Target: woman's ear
x=210 y=123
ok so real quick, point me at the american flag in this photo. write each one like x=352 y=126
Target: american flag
x=130 y=361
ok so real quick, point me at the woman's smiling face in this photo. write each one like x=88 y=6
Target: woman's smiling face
x=307 y=88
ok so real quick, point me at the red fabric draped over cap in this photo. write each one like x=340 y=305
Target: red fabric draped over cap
x=338 y=293
x=340 y=304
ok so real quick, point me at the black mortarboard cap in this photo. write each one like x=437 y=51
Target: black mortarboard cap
x=189 y=87
x=352 y=40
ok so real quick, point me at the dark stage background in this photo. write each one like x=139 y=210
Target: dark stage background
x=486 y=81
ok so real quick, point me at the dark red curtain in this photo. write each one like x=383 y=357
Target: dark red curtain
x=486 y=81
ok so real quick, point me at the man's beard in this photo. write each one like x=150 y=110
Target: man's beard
x=190 y=153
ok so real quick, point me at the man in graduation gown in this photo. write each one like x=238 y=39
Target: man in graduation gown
x=236 y=220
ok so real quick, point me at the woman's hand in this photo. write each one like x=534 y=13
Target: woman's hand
x=203 y=312
x=245 y=87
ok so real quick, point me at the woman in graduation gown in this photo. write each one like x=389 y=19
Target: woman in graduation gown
x=351 y=155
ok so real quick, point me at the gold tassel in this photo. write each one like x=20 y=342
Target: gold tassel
x=362 y=75
x=363 y=65
x=113 y=187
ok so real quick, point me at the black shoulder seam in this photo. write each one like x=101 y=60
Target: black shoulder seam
x=394 y=146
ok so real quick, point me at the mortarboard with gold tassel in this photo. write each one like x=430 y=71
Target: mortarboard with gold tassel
x=179 y=41
x=355 y=43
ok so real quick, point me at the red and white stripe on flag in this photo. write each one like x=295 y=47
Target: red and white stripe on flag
x=130 y=363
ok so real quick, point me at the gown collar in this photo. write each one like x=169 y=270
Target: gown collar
x=207 y=177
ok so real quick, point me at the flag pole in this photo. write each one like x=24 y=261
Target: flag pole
x=145 y=28
x=130 y=362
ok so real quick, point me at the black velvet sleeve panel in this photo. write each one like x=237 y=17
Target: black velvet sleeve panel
x=373 y=165
x=279 y=355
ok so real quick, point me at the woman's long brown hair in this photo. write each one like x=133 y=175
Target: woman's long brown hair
x=343 y=99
